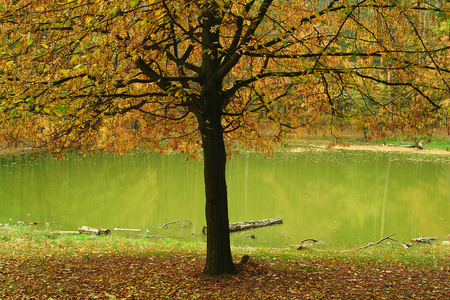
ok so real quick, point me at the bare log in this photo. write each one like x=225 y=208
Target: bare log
x=254 y=224
x=91 y=230
x=424 y=239
x=251 y=224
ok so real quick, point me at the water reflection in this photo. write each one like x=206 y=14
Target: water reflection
x=344 y=198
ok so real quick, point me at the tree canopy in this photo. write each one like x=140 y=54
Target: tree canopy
x=210 y=74
x=129 y=73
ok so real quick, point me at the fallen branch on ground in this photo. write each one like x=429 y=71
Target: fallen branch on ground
x=301 y=246
x=309 y=240
x=182 y=223
x=424 y=239
x=85 y=230
x=91 y=230
x=66 y=232
x=376 y=243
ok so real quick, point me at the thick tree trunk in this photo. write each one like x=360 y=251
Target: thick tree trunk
x=208 y=110
x=218 y=257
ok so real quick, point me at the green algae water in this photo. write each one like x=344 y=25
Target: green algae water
x=343 y=198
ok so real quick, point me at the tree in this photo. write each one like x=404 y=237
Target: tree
x=213 y=74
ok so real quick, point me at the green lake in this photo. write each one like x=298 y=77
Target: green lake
x=344 y=198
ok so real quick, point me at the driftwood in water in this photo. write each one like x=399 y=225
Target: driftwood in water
x=424 y=239
x=251 y=224
x=91 y=230
x=127 y=229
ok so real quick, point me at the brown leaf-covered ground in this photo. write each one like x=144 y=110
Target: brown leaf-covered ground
x=180 y=277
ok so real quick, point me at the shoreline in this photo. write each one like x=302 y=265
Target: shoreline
x=372 y=147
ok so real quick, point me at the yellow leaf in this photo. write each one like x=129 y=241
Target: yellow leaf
x=142 y=122
x=44 y=45
x=58 y=113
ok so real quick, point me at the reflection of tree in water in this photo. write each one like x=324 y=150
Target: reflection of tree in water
x=313 y=193
x=416 y=196
x=427 y=202
x=386 y=187
x=330 y=196
x=349 y=196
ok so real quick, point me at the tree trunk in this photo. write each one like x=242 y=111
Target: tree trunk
x=218 y=257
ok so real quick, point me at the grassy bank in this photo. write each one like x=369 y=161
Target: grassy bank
x=442 y=143
x=25 y=242
x=37 y=263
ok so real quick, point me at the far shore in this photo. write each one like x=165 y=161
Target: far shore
x=353 y=140
x=375 y=147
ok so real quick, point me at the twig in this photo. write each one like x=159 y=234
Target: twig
x=301 y=246
x=373 y=244
x=309 y=240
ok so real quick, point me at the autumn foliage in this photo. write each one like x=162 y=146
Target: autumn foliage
x=123 y=74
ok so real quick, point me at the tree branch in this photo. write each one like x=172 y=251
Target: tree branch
x=376 y=243
x=227 y=65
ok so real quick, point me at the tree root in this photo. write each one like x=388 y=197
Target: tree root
x=244 y=259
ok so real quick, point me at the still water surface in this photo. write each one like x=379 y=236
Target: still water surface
x=344 y=198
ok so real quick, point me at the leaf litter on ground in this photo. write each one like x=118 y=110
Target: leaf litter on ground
x=91 y=267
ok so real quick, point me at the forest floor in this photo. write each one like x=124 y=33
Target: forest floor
x=180 y=277
x=44 y=266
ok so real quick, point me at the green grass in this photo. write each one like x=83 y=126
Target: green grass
x=22 y=242
x=443 y=144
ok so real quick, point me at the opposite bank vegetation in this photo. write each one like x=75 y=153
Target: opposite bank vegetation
x=39 y=264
